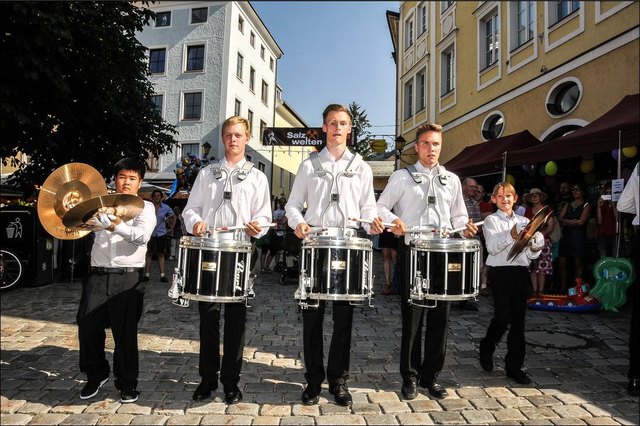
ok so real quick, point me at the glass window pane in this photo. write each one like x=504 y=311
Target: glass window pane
x=199 y=15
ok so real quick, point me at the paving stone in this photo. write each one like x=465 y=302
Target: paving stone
x=15 y=419
x=486 y=404
x=450 y=404
x=81 y=419
x=226 y=419
x=46 y=419
x=116 y=419
x=365 y=408
x=601 y=421
x=275 y=410
x=514 y=402
x=243 y=409
x=297 y=420
x=149 y=420
x=381 y=419
x=447 y=417
x=477 y=416
x=338 y=419
x=380 y=397
x=424 y=405
x=568 y=421
x=414 y=419
x=8 y=406
x=508 y=415
x=573 y=411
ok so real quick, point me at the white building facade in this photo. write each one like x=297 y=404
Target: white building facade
x=208 y=61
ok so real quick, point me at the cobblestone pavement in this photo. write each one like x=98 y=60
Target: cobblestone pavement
x=578 y=364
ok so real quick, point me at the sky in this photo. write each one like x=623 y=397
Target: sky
x=334 y=52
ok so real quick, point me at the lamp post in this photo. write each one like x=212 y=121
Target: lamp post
x=400 y=143
x=206 y=147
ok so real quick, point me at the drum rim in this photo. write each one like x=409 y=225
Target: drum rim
x=446 y=243
x=190 y=242
x=325 y=241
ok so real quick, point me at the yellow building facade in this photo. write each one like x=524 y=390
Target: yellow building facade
x=487 y=69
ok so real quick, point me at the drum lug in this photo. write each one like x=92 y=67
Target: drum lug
x=176 y=288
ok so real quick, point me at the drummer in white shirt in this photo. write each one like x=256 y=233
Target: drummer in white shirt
x=356 y=201
x=402 y=203
x=251 y=202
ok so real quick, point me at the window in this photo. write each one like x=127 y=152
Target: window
x=198 y=15
x=271 y=63
x=252 y=79
x=265 y=92
x=239 y=65
x=163 y=19
x=192 y=106
x=526 y=15
x=291 y=179
x=262 y=52
x=282 y=175
x=190 y=149
x=195 y=58
x=250 y=120
x=408 y=99
x=249 y=157
x=261 y=166
x=422 y=14
x=241 y=24
x=565 y=8
x=252 y=39
x=444 y=5
x=493 y=126
x=563 y=98
x=237 y=107
x=421 y=94
x=156 y=60
x=491 y=36
x=448 y=71
x=408 y=32
x=157 y=102
x=263 y=126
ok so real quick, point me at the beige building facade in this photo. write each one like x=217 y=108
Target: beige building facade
x=487 y=69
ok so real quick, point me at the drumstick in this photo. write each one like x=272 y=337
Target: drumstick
x=453 y=231
x=237 y=228
x=388 y=225
x=315 y=230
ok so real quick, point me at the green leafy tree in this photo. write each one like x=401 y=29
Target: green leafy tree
x=75 y=87
x=360 y=128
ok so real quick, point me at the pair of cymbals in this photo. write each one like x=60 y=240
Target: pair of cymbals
x=535 y=224
x=73 y=194
x=65 y=188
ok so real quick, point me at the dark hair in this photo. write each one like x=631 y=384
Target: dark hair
x=154 y=192
x=130 y=163
x=334 y=108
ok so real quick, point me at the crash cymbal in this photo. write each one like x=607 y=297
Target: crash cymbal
x=125 y=206
x=66 y=187
x=535 y=224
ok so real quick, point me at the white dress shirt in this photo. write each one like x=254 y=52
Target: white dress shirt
x=356 y=193
x=629 y=201
x=126 y=246
x=497 y=236
x=250 y=199
x=405 y=199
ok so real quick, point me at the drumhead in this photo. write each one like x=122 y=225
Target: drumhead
x=205 y=243
x=328 y=241
x=446 y=244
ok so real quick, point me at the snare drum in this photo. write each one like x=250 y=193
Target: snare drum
x=215 y=270
x=336 y=267
x=444 y=269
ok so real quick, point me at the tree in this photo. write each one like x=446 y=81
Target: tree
x=360 y=127
x=76 y=87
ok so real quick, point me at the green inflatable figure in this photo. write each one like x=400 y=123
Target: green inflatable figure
x=613 y=276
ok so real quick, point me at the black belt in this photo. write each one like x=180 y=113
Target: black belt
x=103 y=270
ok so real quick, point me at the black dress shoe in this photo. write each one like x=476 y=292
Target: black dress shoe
x=436 y=390
x=204 y=389
x=519 y=376
x=633 y=388
x=486 y=362
x=311 y=394
x=409 y=389
x=341 y=394
x=232 y=395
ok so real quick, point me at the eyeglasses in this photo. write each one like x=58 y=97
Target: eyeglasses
x=576 y=189
x=337 y=124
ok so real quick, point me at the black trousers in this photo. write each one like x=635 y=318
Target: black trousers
x=634 y=334
x=340 y=349
x=510 y=285
x=116 y=301
x=235 y=319
x=414 y=365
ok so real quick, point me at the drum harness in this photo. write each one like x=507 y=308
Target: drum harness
x=220 y=174
x=305 y=288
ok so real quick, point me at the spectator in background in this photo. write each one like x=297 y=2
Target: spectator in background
x=542 y=266
x=389 y=246
x=606 y=215
x=563 y=197
x=165 y=221
x=276 y=236
x=629 y=202
x=469 y=190
x=486 y=209
x=178 y=232
x=573 y=217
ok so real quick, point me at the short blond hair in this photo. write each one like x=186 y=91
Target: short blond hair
x=428 y=127
x=506 y=187
x=335 y=108
x=231 y=121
